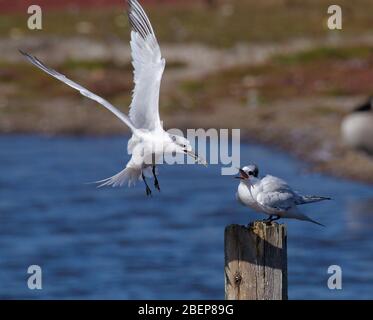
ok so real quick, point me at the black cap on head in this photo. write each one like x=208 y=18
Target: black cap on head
x=252 y=170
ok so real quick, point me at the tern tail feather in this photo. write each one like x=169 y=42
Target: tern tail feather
x=303 y=217
x=311 y=199
x=127 y=175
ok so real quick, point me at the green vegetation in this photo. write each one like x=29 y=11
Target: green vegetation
x=323 y=54
x=325 y=71
x=91 y=65
x=223 y=25
x=321 y=71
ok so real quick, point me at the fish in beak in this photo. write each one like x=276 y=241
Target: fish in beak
x=198 y=159
x=243 y=175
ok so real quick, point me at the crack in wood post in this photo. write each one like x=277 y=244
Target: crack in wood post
x=256 y=261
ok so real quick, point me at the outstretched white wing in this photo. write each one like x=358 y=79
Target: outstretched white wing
x=148 y=69
x=82 y=90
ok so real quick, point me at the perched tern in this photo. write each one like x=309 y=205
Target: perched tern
x=271 y=195
x=149 y=141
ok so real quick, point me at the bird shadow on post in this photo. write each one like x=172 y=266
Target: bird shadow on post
x=256 y=261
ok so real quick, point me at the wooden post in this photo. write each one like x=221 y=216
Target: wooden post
x=256 y=262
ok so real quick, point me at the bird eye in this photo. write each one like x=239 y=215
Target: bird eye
x=250 y=173
x=184 y=146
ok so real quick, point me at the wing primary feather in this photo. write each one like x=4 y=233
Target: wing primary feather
x=148 y=69
x=139 y=17
x=85 y=92
x=134 y=5
x=136 y=25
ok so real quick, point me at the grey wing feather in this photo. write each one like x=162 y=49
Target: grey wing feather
x=138 y=19
x=271 y=183
x=276 y=194
x=280 y=201
x=36 y=62
x=310 y=199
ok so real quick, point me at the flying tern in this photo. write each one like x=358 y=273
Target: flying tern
x=149 y=141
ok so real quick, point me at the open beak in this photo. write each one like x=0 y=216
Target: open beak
x=196 y=158
x=243 y=175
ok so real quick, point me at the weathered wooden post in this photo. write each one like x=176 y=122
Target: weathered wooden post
x=256 y=261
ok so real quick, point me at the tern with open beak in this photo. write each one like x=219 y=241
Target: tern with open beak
x=271 y=195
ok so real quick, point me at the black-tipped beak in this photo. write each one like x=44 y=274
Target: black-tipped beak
x=197 y=158
x=243 y=175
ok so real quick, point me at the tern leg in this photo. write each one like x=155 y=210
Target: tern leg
x=156 y=183
x=272 y=218
x=269 y=219
x=148 y=191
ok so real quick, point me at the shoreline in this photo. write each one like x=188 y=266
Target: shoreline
x=246 y=137
x=291 y=96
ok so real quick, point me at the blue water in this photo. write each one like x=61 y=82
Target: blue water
x=117 y=244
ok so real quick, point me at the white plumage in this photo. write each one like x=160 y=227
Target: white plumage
x=357 y=128
x=148 y=67
x=271 y=195
x=149 y=141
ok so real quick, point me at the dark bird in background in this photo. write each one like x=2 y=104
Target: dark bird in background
x=357 y=128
